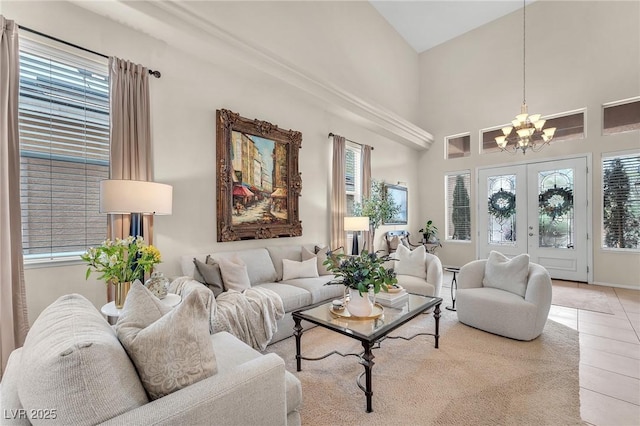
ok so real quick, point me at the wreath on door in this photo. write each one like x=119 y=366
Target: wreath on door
x=555 y=202
x=502 y=204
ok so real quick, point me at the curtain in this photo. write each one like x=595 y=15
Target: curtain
x=13 y=300
x=338 y=193
x=366 y=191
x=130 y=137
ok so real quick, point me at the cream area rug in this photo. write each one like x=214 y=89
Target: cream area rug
x=581 y=296
x=475 y=378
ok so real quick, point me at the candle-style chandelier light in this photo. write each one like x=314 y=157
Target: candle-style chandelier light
x=527 y=131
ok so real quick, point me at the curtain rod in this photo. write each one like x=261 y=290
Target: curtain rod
x=156 y=74
x=349 y=140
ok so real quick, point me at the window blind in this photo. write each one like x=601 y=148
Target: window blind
x=457 y=188
x=64 y=149
x=621 y=201
x=353 y=175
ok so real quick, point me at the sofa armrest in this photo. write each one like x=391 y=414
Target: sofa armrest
x=251 y=394
x=434 y=272
x=471 y=274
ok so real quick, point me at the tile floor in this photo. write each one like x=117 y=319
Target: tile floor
x=609 y=355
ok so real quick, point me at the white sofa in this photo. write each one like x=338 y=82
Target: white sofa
x=264 y=266
x=73 y=370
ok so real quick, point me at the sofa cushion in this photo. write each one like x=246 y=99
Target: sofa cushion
x=9 y=399
x=292 y=297
x=234 y=273
x=507 y=274
x=231 y=352
x=170 y=348
x=284 y=252
x=209 y=272
x=411 y=262
x=73 y=362
x=320 y=254
x=292 y=269
x=259 y=265
x=317 y=288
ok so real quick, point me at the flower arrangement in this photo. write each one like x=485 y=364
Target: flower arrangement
x=361 y=272
x=121 y=261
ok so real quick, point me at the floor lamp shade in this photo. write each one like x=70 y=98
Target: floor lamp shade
x=356 y=224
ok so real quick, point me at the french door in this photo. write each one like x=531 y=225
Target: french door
x=540 y=209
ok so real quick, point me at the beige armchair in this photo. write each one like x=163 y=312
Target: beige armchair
x=503 y=312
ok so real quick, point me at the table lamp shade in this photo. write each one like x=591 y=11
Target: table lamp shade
x=133 y=196
x=356 y=223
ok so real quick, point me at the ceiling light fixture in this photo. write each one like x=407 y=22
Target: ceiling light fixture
x=527 y=131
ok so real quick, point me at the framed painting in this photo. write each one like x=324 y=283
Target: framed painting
x=258 y=183
x=399 y=196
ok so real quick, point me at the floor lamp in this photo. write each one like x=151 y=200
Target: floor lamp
x=135 y=198
x=356 y=224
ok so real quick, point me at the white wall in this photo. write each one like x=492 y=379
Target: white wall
x=185 y=99
x=579 y=54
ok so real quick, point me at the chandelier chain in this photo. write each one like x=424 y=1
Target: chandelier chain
x=524 y=52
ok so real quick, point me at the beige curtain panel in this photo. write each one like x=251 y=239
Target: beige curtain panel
x=338 y=193
x=13 y=300
x=130 y=137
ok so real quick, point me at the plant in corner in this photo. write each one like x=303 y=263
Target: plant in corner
x=430 y=233
x=377 y=206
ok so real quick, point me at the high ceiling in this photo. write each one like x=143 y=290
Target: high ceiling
x=428 y=23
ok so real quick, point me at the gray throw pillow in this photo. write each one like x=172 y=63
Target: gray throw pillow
x=210 y=274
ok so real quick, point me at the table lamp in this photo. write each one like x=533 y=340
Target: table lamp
x=356 y=224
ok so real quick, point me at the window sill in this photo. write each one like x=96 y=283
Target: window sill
x=49 y=262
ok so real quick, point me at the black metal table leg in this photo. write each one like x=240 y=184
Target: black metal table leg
x=454 y=287
x=436 y=315
x=367 y=361
x=297 y=331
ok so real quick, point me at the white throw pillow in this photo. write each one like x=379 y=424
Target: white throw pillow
x=410 y=262
x=234 y=273
x=507 y=274
x=305 y=269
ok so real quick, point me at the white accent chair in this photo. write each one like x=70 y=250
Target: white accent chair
x=503 y=312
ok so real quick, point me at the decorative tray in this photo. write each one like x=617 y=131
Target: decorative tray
x=377 y=312
x=397 y=289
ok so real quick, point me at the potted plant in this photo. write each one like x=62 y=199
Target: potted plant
x=120 y=262
x=430 y=233
x=378 y=207
x=360 y=274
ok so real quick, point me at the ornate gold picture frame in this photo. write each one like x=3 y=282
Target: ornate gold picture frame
x=258 y=183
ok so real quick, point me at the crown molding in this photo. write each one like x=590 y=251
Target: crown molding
x=178 y=24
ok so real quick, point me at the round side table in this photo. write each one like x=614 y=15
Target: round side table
x=109 y=310
x=454 y=285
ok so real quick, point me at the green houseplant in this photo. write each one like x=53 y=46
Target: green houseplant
x=430 y=233
x=377 y=207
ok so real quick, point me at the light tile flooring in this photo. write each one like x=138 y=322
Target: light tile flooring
x=609 y=355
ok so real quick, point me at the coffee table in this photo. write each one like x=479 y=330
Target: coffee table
x=370 y=332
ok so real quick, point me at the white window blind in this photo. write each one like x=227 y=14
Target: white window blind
x=353 y=175
x=457 y=186
x=621 y=201
x=64 y=150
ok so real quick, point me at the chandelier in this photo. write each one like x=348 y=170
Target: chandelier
x=527 y=131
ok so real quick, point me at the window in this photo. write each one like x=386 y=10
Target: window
x=568 y=126
x=619 y=117
x=64 y=150
x=621 y=200
x=457 y=186
x=353 y=174
x=458 y=146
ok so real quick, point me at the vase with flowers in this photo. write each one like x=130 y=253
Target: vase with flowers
x=360 y=274
x=120 y=262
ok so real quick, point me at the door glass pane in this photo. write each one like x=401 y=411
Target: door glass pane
x=555 y=207
x=502 y=209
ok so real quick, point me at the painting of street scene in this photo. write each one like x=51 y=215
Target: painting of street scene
x=259 y=180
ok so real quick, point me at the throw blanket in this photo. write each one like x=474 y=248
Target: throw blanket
x=250 y=316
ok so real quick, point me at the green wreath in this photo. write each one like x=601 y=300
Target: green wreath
x=502 y=204
x=555 y=202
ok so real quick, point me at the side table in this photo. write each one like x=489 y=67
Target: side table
x=454 y=285
x=109 y=310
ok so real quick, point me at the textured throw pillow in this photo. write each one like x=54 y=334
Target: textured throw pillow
x=320 y=255
x=234 y=273
x=507 y=274
x=410 y=262
x=72 y=356
x=171 y=348
x=305 y=269
x=211 y=275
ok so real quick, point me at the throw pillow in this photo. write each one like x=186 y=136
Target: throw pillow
x=305 y=269
x=71 y=356
x=171 y=348
x=211 y=275
x=234 y=273
x=507 y=274
x=320 y=255
x=410 y=262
